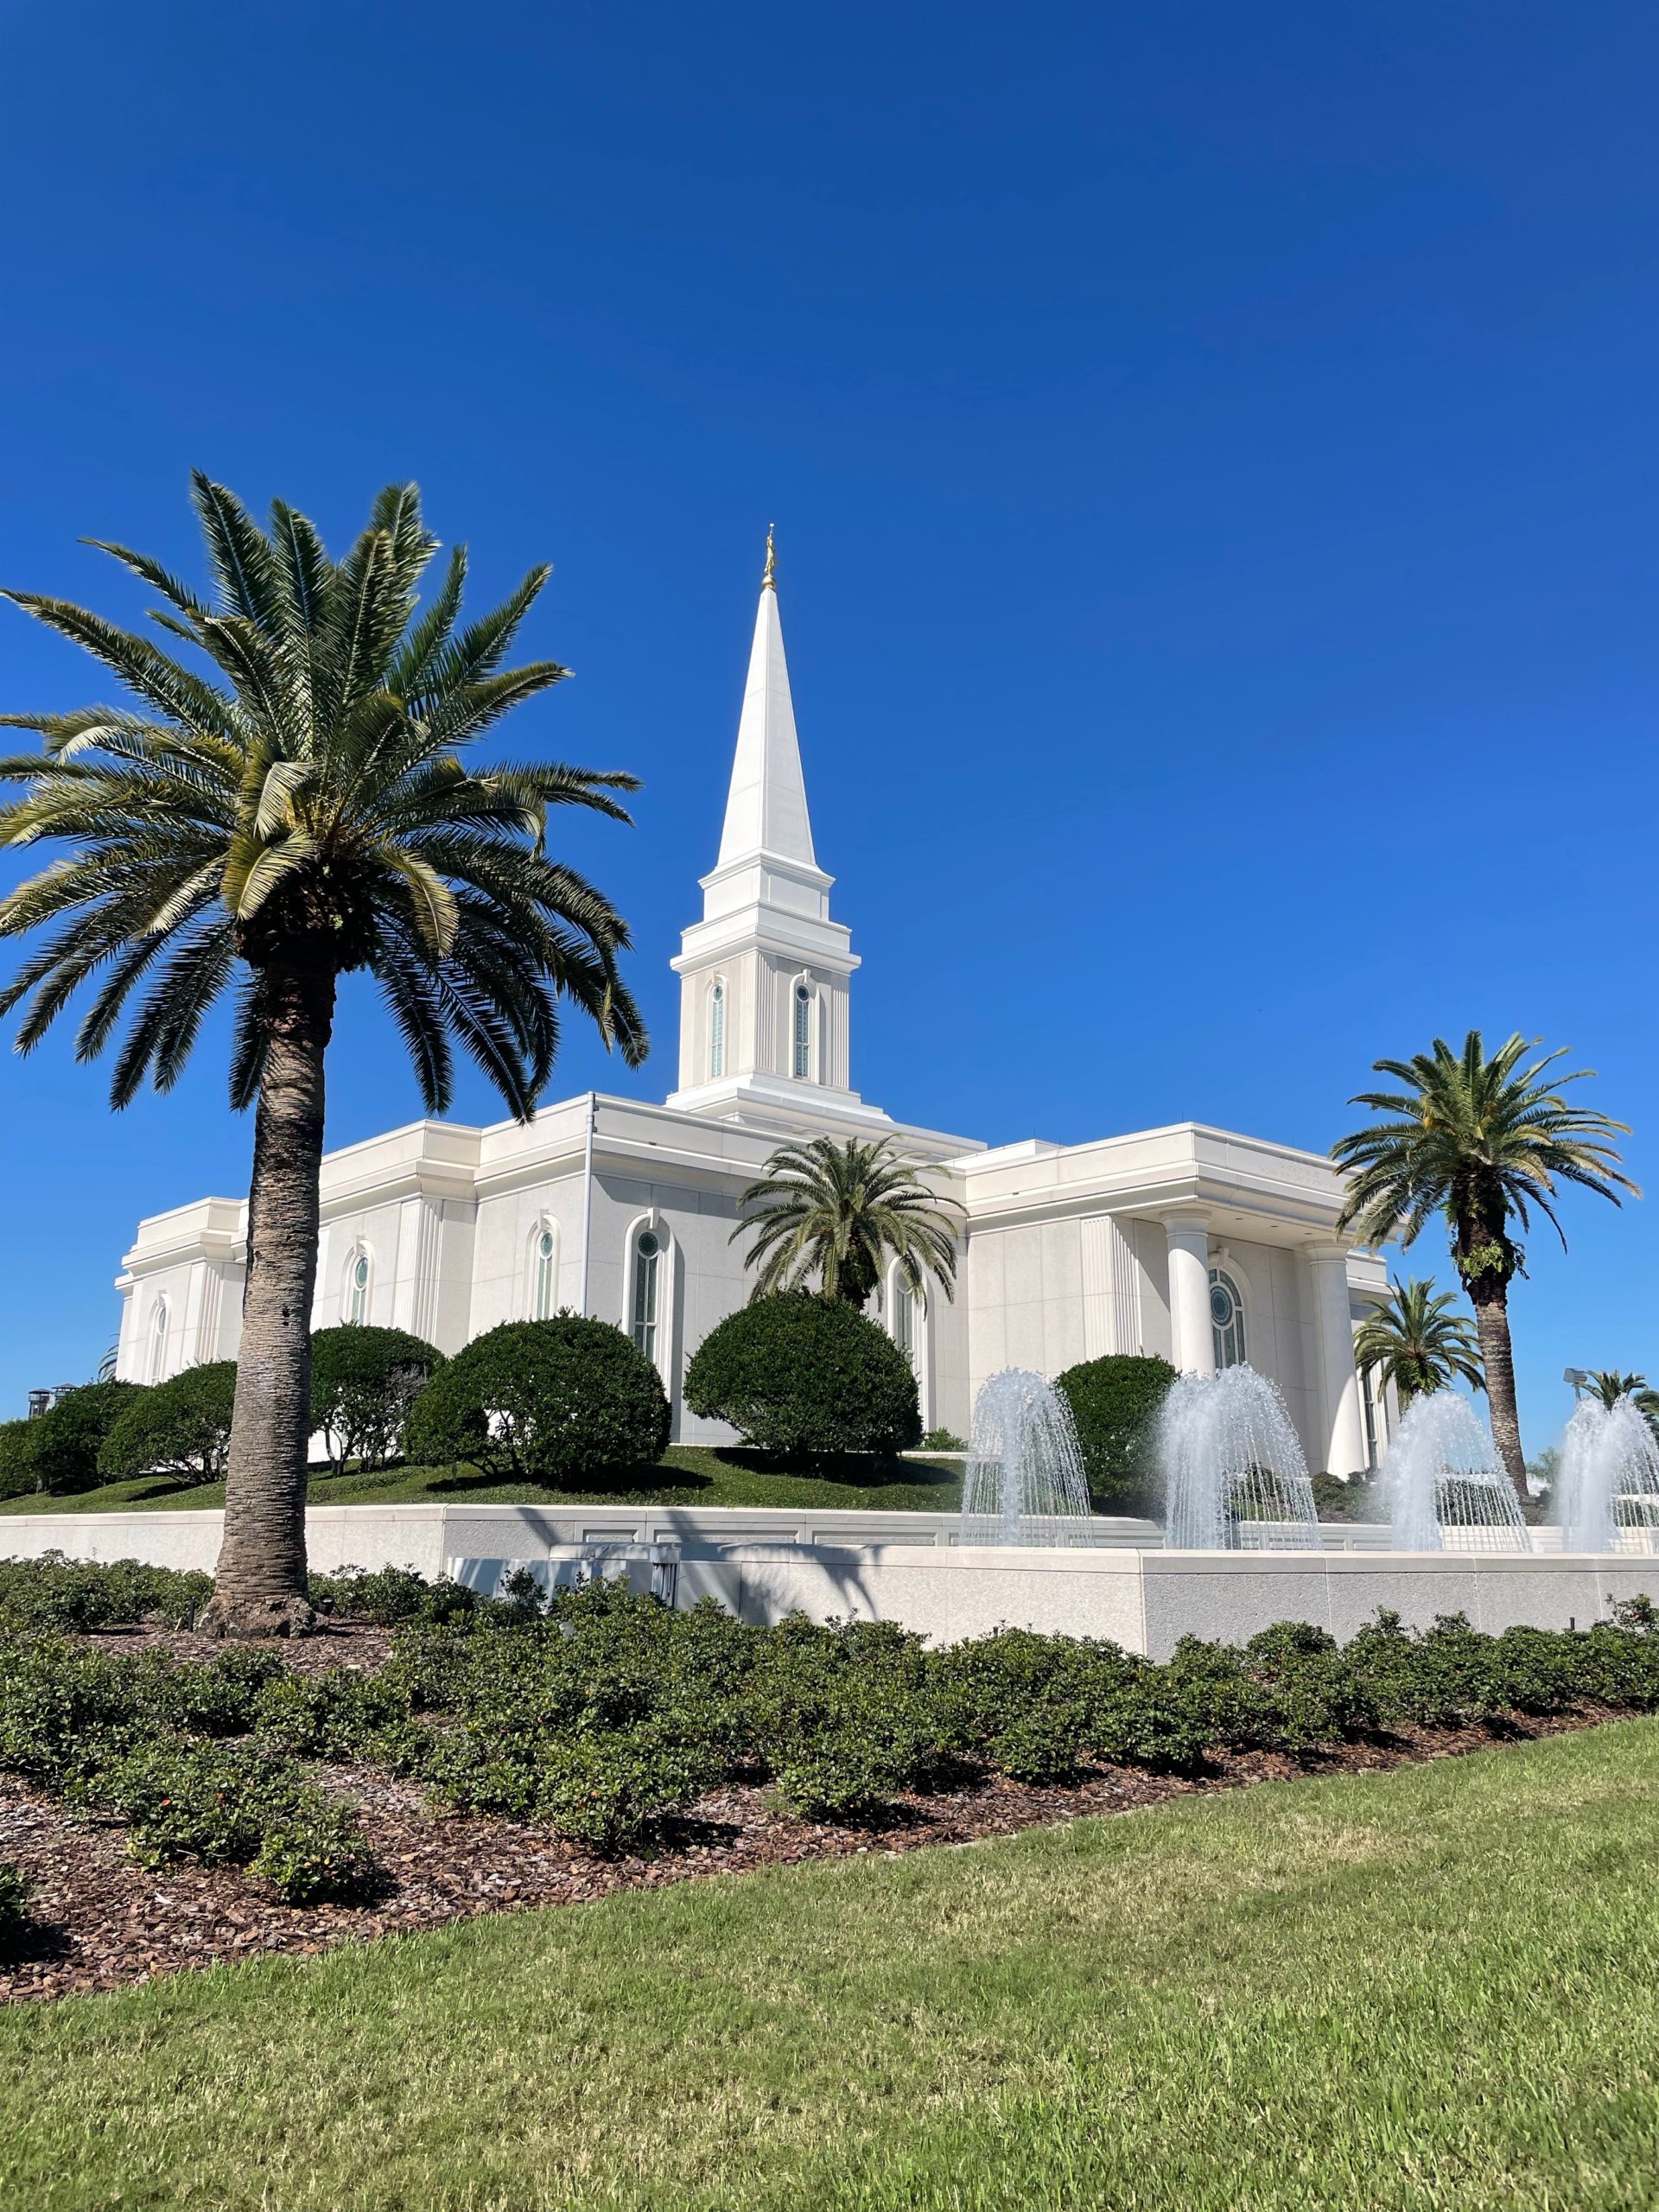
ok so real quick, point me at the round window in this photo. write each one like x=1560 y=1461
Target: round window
x=360 y=1271
x=802 y=993
x=545 y=1244
x=649 y=1247
x=1221 y=1306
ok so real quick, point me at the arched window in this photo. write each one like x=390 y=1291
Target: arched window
x=647 y=1272
x=802 y=1062
x=717 y=1030
x=357 y=1287
x=543 y=1271
x=1226 y=1319
x=903 y=1319
x=155 y=1364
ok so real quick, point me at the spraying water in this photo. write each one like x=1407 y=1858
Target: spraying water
x=1234 y=1478
x=1024 y=1482
x=1607 y=1491
x=1444 y=1484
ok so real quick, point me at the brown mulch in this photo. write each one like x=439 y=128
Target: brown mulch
x=100 y=1921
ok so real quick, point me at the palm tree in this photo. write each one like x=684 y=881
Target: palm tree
x=1481 y=1140
x=298 y=812
x=1608 y=1386
x=832 y=1213
x=1412 y=1342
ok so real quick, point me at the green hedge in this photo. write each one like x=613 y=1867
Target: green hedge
x=181 y=1426
x=1115 y=1402
x=543 y=1401
x=364 y=1381
x=17 y=1441
x=603 y=1713
x=806 y=1377
x=59 y=1449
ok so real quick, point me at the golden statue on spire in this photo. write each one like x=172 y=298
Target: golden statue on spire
x=769 y=579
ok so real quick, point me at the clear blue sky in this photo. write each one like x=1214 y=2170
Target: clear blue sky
x=1213 y=456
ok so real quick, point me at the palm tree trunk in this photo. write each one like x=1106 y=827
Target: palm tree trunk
x=261 y=1578
x=1492 y=1326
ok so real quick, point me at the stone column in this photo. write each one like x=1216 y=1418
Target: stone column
x=1344 y=1421
x=1188 y=1236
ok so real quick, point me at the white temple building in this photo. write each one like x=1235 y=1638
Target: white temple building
x=1194 y=1243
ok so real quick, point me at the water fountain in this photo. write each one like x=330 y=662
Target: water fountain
x=1234 y=1478
x=1607 y=1491
x=1446 y=1486
x=1024 y=1483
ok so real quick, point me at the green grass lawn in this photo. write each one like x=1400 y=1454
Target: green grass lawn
x=1429 y=1988
x=687 y=1475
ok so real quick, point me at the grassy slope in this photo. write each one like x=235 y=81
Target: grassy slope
x=688 y=1475
x=1427 y=1989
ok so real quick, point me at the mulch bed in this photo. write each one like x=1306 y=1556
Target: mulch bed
x=101 y=1921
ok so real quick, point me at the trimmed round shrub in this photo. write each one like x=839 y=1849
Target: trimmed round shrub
x=181 y=1426
x=69 y=1436
x=543 y=1401
x=1114 y=1402
x=363 y=1382
x=17 y=1441
x=806 y=1377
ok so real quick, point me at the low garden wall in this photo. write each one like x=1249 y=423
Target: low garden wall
x=1145 y=1601
x=762 y=1563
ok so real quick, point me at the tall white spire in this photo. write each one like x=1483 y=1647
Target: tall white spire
x=765 y=806
x=764 y=1009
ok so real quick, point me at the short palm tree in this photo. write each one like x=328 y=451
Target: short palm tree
x=1412 y=1341
x=1608 y=1386
x=832 y=1215
x=1481 y=1140
x=299 y=811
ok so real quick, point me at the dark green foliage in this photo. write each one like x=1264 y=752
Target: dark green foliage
x=181 y=1426
x=334 y=1715
x=220 y=1698
x=15 y=1889
x=544 y=1402
x=234 y=1804
x=1114 y=1402
x=68 y=1437
x=18 y=1442
x=314 y=1850
x=386 y=1595
x=55 y=1592
x=1353 y=1500
x=363 y=1382
x=806 y=1377
x=942 y=1440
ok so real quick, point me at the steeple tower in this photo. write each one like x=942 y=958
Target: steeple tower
x=764 y=974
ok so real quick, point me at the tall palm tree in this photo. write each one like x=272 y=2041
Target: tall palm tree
x=1412 y=1341
x=1608 y=1386
x=300 y=811
x=833 y=1214
x=1480 y=1139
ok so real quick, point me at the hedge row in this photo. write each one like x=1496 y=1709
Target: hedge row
x=553 y=1402
x=600 y=1712
x=142 y=1739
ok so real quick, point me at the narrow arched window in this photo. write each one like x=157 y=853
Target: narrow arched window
x=1226 y=1319
x=903 y=1319
x=647 y=1266
x=803 y=1030
x=357 y=1288
x=155 y=1365
x=717 y=1030
x=542 y=1284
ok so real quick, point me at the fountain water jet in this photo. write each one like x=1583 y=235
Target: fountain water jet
x=1024 y=1482
x=1446 y=1486
x=1607 y=1491
x=1234 y=1478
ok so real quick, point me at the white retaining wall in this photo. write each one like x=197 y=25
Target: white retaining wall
x=764 y=1564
